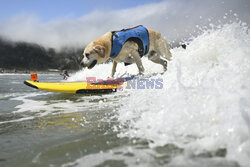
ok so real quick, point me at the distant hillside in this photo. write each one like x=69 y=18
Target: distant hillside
x=30 y=56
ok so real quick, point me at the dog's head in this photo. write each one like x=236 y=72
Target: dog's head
x=93 y=54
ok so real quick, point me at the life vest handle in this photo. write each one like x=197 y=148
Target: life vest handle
x=33 y=77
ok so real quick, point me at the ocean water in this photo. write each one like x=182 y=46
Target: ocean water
x=201 y=116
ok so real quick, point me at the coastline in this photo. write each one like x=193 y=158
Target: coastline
x=27 y=72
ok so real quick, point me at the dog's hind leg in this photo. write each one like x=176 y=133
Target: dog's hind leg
x=156 y=58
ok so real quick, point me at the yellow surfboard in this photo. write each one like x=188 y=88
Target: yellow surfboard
x=73 y=87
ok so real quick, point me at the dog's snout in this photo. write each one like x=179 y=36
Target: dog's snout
x=87 y=55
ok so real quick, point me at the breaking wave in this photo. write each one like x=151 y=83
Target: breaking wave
x=204 y=105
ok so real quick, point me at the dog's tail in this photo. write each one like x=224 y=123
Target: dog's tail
x=166 y=53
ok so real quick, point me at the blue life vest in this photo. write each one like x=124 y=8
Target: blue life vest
x=138 y=34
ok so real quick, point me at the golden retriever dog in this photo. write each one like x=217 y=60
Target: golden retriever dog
x=130 y=48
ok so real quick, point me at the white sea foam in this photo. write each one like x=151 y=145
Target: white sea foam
x=17 y=120
x=29 y=104
x=40 y=108
x=127 y=155
x=204 y=105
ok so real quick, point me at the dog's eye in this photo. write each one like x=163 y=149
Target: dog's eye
x=87 y=55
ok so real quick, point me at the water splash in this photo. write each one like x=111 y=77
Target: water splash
x=204 y=105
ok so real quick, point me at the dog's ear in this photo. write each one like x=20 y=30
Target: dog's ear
x=100 y=50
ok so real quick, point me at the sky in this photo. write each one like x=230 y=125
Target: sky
x=48 y=10
x=75 y=23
